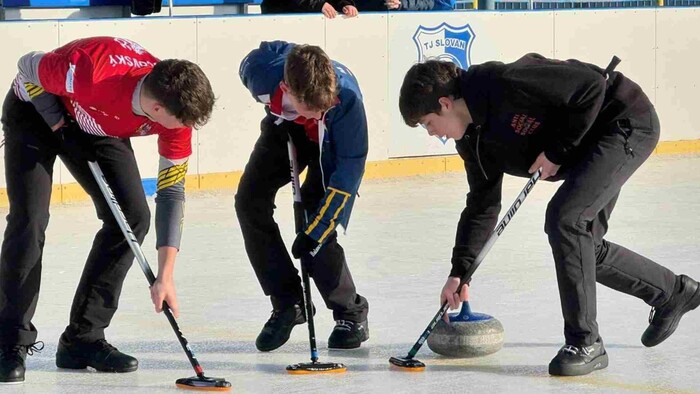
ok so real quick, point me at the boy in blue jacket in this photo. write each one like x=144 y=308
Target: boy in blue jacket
x=317 y=102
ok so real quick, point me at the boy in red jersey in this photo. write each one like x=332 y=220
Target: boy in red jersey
x=82 y=102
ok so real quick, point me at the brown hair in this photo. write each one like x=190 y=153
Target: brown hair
x=310 y=75
x=183 y=89
x=423 y=86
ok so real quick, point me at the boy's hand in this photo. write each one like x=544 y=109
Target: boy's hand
x=303 y=245
x=164 y=290
x=350 y=11
x=449 y=294
x=328 y=11
x=393 y=4
x=548 y=168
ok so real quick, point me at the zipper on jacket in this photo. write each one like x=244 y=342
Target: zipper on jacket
x=478 y=159
x=478 y=141
x=626 y=130
x=321 y=137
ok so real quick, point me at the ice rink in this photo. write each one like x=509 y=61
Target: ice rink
x=398 y=247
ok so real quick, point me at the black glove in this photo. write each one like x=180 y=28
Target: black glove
x=75 y=143
x=303 y=245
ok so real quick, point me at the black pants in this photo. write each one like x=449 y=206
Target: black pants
x=30 y=152
x=266 y=172
x=577 y=220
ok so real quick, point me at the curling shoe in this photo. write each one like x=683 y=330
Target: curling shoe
x=99 y=355
x=276 y=331
x=348 y=334
x=664 y=320
x=579 y=360
x=12 y=358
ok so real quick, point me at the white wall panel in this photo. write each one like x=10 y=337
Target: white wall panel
x=677 y=72
x=358 y=44
x=594 y=36
x=19 y=38
x=225 y=144
x=657 y=48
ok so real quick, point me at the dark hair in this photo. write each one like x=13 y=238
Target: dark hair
x=423 y=86
x=310 y=75
x=183 y=89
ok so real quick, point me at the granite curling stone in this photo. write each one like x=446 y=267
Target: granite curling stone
x=468 y=334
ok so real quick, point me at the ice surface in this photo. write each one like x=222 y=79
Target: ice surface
x=398 y=247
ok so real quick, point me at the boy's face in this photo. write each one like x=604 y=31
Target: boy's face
x=445 y=124
x=301 y=109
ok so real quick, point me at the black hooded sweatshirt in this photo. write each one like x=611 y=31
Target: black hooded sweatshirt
x=520 y=110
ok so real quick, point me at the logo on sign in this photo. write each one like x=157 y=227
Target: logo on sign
x=446 y=43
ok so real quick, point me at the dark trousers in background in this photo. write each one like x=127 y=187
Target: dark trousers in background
x=145 y=7
x=266 y=172
x=577 y=220
x=30 y=153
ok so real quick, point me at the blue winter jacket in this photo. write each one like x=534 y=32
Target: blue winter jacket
x=344 y=143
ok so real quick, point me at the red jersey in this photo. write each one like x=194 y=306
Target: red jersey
x=96 y=78
x=310 y=125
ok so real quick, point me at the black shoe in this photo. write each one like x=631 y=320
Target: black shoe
x=12 y=361
x=99 y=355
x=348 y=334
x=664 y=320
x=276 y=331
x=579 y=360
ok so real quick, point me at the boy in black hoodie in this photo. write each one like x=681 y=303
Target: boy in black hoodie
x=591 y=128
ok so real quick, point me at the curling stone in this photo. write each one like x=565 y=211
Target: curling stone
x=468 y=334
